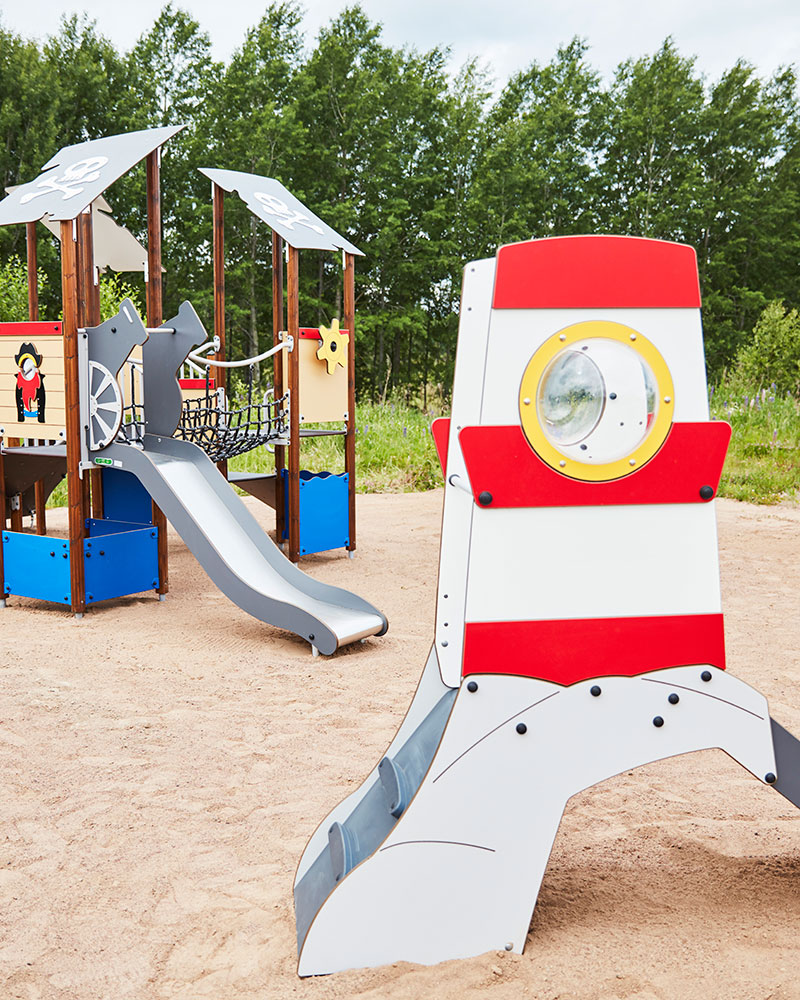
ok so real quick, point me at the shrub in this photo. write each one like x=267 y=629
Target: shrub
x=773 y=356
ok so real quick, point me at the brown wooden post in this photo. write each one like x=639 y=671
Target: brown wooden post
x=293 y=330
x=77 y=530
x=278 y=384
x=89 y=315
x=218 y=255
x=350 y=436
x=155 y=317
x=33 y=316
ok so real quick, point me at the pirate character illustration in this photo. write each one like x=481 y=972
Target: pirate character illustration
x=30 y=384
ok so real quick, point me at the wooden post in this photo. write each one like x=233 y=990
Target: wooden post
x=293 y=329
x=77 y=529
x=277 y=327
x=89 y=315
x=218 y=254
x=155 y=317
x=350 y=436
x=33 y=316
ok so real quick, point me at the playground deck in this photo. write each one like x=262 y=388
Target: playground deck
x=164 y=764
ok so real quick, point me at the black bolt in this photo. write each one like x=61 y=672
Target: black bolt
x=52 y=553
x=673 y=699
x=444 y=642
x=658 y=722
x=311 y=636
x=770 y=778
x=113 y=329
x=595 y=691
x=485 y=498
x=472 y=687
x=521 y=728
x=152 y=534
x=102 y=552
x=612 y=395
x=88 y=555
x=706 y=492
x=65 y=555
x=705 y=676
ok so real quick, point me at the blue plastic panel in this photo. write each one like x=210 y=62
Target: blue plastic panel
x=124 y=497
x=324 y=521
x=105 y=526
x=36 y=566
x=119 y=564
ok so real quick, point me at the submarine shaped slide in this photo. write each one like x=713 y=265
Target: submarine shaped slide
x=234 y=550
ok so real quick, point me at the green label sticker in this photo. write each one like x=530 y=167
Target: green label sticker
x=103 y=461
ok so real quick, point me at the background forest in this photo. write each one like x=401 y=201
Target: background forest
x=421 y=168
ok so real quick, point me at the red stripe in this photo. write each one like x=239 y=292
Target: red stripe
x=195 y=383
x=595 y=272
x=440 y=429
x=312 y=333
x=24 y=330
x=574 y=650
x=500 y=461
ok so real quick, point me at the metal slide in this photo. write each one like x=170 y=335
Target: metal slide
x=234 y=550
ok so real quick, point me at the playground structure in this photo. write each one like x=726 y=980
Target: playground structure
x=314 y=380
x=73 y=385
x=578 y=631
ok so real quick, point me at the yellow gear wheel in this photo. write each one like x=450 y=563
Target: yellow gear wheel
x=333 y=348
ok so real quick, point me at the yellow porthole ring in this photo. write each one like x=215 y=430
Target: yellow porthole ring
x=529 y=388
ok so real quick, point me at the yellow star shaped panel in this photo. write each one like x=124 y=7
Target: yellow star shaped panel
x=333 y=349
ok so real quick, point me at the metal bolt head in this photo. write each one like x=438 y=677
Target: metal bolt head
x=521 y=728
x=472 y=686
x=705 y=676
x=485 y=498
x=673 y=699
x=658 y=722
x=595 y=690
x=770 y=778
x=706 y=492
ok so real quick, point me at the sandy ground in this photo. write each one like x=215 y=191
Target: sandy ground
x=163 y=765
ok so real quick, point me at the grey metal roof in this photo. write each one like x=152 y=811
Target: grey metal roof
x=72 y=179
x=269 y=200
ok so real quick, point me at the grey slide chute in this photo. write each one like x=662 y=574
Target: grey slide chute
x=235 y=551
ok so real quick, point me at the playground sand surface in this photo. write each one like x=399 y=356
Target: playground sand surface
x=162 y=766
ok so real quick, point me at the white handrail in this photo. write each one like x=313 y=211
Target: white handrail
x=193 y=356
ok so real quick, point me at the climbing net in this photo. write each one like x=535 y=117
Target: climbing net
x=225 y=428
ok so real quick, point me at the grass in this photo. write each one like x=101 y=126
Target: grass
x=763 y=463
x=395 y=451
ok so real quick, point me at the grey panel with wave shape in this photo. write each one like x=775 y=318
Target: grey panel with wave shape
x=162 y=356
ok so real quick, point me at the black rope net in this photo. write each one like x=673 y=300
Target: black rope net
x=225 y=428
x=222 y=427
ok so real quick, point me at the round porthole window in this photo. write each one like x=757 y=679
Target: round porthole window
x=596 y=401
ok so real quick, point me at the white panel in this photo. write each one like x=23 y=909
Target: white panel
x=593 y=562
x=473 y=332
x=517 y=333
x=460 y=872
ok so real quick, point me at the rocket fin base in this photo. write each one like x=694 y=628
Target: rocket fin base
x=459 y=872
x=787 y=758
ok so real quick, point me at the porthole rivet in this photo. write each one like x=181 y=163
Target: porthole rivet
x=562 y=463
x=562 y=336
x=668 y=399
x=632 y=462
x=633 y=336
x=526 y=401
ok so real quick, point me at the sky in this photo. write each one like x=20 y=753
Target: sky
x=506 y=35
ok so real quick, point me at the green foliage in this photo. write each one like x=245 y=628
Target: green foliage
x=763 y=462
x=113 y=289
x=773 y=356
x=423 y=170
x=14 y=290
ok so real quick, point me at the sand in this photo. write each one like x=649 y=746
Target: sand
x=162 y=766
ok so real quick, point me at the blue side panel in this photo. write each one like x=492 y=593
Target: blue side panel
x=324 y=522
x=96 y=527
x=124 y=497
x=36 y=566
x=119 y=564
